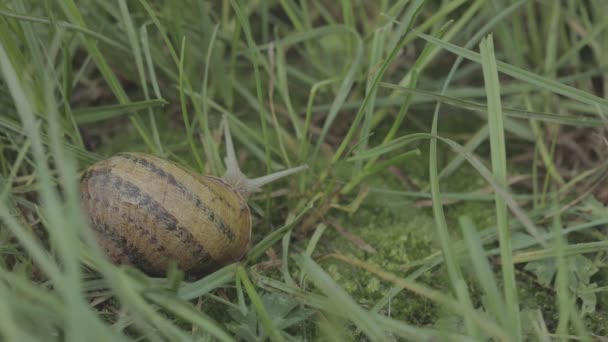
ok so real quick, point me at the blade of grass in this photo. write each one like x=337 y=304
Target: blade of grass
x=213 y=158
x=523 y=75
x=66 y=25
x=304 y=149
x=66 y=281
x=473 y=161
x=580 y=121
x=569 y=250
x=90 y=115
x=187 y=312
x=261 y=247
x=66 y=93
x=184 y=108
x=66 y=238
x=31 y=128
x=9 y=330
x=414 y=10
x=14 y=169
x=342 y=93
x=378 y=41
x=499 y=169
x=340 y=299
x=148 y=320
x=399 y=328
x=565 y=302
x=327 y=285
x=441 y=226
x=272 y=52
x=269 y=327
x=287 y=278
x=483 y=271
x=136 y=51
x=208 y=283
x=283 y=88
x=254 y=57
x=73 y=13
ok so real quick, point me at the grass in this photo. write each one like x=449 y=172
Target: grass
x=456 y=187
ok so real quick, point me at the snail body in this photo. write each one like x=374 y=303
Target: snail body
x=147 y=211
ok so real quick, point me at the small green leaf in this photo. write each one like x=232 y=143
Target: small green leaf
x=580 y=271
x=589 y=299
x=283 y=311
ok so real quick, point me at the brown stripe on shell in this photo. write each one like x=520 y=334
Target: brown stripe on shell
x=217 y=221
x=112 y=206
x=120 y=244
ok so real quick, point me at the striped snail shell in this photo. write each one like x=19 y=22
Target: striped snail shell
x=147 y=211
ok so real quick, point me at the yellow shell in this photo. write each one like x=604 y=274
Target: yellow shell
x=148 y=211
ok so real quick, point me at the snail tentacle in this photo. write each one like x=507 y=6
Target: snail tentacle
x=240 y=181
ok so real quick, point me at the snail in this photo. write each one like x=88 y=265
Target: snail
x=147 y=211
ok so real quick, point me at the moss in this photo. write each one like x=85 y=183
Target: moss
x=399 y=238
x=401 y=233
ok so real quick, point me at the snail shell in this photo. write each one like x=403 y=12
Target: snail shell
x=147 y=211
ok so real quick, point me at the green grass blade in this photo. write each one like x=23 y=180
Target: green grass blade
x=136 y=50
x=208 y=283
x=441 y=227
x=255 y=60
x=90 y=115
x=189 y=313
x=579 y=121
x=270 y=329
x=499 y=169
x=340 y=299
x=523 y=75
x=483 y=271
x=74 y=14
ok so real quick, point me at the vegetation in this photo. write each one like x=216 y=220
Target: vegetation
x=457 y=155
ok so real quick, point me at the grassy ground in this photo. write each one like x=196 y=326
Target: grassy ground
x=457 y=154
